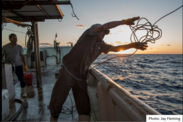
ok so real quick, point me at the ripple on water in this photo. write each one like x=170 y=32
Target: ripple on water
x=165 y=112
x=141 y=98
x=170 y=99
x=179 y=111
x=138 y=72
x=154 y=79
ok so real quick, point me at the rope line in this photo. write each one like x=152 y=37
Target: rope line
x=29 y=44
x=168 y=14
x=13 y=30
x=65 y=110
x=149 y=37
x=40 y=27
x=73 y=15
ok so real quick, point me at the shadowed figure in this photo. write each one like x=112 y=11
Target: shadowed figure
x=73 y=73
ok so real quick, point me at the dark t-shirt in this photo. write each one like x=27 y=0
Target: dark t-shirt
x=85 y=51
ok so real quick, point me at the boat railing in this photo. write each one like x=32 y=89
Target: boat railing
x=111 y=102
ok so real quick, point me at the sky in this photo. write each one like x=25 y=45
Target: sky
x=91 y=12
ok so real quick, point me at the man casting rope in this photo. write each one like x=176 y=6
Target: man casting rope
x=76 y=63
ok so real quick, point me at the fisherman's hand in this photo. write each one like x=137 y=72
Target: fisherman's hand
x=139 y=45
x=25 y=68
x=130 y=21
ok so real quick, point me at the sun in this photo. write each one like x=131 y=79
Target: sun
x=129 y=51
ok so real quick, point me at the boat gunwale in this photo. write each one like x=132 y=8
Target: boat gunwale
x=110 y=85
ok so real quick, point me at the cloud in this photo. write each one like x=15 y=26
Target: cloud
x=118 y=42
x=115 y=33
x=161 y=44
x=63 y=10
x=112 y=33
x=80 y=26
x=168 y=45
x=45 y=44
x=111 y=43
x=23 y=45
x=42 y=44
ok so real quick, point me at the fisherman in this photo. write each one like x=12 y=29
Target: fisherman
x=14 y=54
x=76 y=63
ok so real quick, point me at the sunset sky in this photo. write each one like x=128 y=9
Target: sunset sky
x=102 y=11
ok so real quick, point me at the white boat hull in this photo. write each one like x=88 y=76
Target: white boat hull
x=111 y=102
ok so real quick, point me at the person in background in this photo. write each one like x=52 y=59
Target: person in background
x=76 y=63
x=14 y=53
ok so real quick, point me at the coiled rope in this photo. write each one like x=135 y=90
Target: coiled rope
x=149 y=37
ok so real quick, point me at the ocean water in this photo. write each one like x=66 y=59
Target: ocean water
x=155 y=79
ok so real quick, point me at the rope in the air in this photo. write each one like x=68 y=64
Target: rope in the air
x=150 y=29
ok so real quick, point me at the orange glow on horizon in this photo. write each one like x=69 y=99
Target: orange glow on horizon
x=154 y=49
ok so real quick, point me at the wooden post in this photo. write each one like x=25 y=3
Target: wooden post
x=37 y=53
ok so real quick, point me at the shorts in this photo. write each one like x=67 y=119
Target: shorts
x=61 y=90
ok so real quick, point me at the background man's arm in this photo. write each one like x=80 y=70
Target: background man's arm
x=24 y=61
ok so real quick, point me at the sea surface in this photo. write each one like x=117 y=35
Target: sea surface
x=155 y=79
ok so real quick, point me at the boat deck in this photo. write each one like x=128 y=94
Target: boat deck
x=35 y=106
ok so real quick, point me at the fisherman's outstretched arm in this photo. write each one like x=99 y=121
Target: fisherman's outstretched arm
x=120 y=48
x=128 y=46
x=114 y=24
